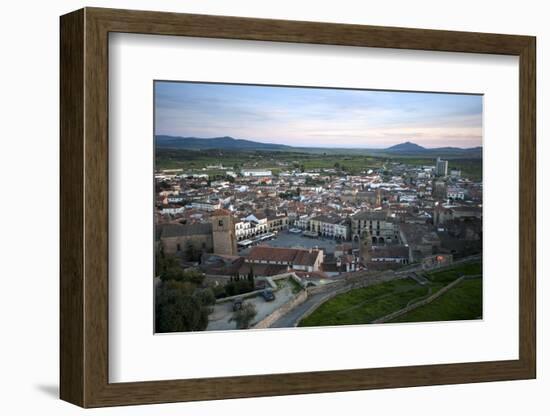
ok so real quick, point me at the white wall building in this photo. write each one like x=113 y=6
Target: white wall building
x=455 y=192
x=255 y=172
x=206 y=205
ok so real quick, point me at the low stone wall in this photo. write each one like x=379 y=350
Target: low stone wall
x=242 y=296
x=341 y=287
x=290 y=275
x=254 y=293
x=278 y=313
x=420 y=303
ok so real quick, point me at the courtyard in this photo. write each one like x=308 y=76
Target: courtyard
x=286 y=239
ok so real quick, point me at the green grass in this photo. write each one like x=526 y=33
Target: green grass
x=366 y=304
x=447 y=276
x=362 y=306
x=463 y=302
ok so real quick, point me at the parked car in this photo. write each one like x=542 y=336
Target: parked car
x=237 y=304
x=268 y=295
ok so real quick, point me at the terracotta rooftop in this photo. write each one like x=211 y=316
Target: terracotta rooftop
x=287 y=255
x=371 y=216
x=221 y=213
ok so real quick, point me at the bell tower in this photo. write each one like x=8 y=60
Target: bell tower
x=365 y=245
x=223 y=233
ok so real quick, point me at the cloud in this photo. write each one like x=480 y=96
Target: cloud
x=313 y=116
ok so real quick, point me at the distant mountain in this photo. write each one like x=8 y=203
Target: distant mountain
x=226 y=142
x=413 y=149
x=406 y=147
x=230 y=143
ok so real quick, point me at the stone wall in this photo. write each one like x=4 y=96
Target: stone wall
x=420 y=303
x=278 y=313
x=200 y=243
x=345 y=286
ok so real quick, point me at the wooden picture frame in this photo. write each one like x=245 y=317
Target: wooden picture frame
x=84 y=207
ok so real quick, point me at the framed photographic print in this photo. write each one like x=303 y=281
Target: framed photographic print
x=255 y=207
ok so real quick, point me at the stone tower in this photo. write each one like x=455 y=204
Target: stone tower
x=378 y=198
x=223 y=233
x=365 y=246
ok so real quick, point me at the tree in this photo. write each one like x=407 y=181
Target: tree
x=238 y=287
x=164 y=261
x=244 y=316
x=251 y=277
x=185 y=276
x=192 y=254
x=180 y=307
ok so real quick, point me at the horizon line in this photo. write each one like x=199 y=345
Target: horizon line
x=314 y=147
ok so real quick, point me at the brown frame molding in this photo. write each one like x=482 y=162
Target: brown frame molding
x=84 y=207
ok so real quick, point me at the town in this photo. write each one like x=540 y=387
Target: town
x=259 y=245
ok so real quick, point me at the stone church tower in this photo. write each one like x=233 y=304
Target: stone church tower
x=365 y=246
x=223 y=233
x=378 y=198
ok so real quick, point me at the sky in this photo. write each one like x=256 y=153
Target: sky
x=317 y=117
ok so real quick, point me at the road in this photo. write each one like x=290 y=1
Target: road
x=352 y=281
x=292 y=318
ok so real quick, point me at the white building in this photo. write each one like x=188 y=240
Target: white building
x=173 y=211
x=174 y=199
x=441 y=167
x=206 y=205
x=330 y=226
x=302 y=222
x=255 y=172
x=455 y=192
x=250 y=227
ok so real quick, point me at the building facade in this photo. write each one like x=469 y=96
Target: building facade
x=293 y=258
x=381 y=228
x=182 y=239
x=330 y=226
x=255 y=172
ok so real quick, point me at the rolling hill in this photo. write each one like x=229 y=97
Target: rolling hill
x=413 y=149
x=226 y=142
x=405 y=149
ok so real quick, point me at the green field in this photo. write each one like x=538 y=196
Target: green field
x=197 y=159
x=462 y=302
x=444 y=277
x=353 y=163
x=362 y=306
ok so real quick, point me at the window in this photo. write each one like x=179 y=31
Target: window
x=220 y=223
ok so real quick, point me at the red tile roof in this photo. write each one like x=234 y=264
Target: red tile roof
x=221 y=213
x=287 y=255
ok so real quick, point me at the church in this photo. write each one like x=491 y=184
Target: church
x=216 y=236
